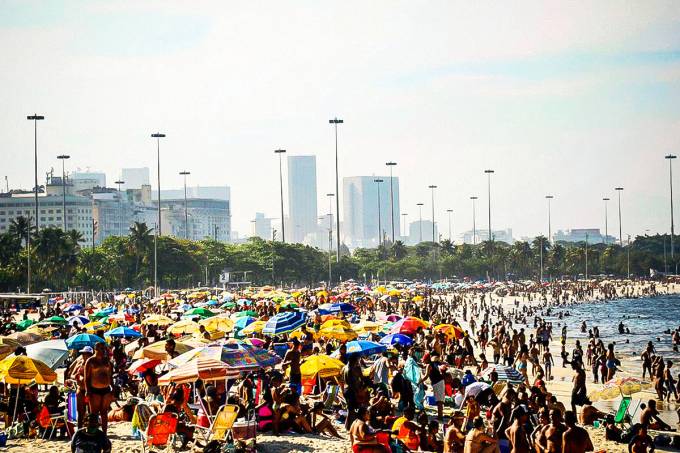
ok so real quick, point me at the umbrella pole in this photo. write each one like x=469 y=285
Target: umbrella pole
x=16 y=402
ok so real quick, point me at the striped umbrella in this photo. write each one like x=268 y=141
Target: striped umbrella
x=284 y=323
x=505 y=373
x=396 y=338
x=408 y=325
x=206 y=368
x=364 y=348
x=241 y=358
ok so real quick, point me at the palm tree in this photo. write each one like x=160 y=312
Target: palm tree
x=21 y=227
x=399 y=250
x=140 y=243
x=447 y=247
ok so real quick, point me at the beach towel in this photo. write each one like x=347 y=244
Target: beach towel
x=412 y=374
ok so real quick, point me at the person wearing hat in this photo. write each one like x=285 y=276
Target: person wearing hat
x=454 y=439
x=90 y=439
x=77 y=373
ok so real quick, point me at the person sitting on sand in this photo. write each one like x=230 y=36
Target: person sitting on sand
x=650 y=418
x=362 y=436
x=90 y=439
x=641 y=442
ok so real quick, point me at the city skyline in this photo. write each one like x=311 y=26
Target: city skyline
x=561 y=108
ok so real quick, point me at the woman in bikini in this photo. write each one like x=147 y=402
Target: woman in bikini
x=98 y=383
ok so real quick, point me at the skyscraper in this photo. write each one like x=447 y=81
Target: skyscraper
x=302 y=209
x=360 y=209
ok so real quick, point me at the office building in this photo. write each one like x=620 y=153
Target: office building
x=415 y=229
x=592 y=235
x=213 y=192
x=467 y=237
x=206 y=218
x=261 y=226
x=86 y=180
x=360 y=210
x=135 y=178
x=302 y=197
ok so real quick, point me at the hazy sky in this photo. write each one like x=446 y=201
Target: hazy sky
x=567 y=98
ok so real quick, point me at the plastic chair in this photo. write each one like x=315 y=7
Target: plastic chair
x=160 y=432
x=622 y=411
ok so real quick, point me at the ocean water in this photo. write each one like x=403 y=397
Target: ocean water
x=646 y=318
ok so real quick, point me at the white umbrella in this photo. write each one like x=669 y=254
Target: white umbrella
x=52 y=352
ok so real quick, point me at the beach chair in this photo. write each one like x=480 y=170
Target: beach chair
x=50 y=422
x=622 y=411
x=330 y=397
x=160 y=432
x=224 y=421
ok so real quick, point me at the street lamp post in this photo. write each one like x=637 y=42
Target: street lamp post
x=158 y=136
x=420 y=220
x=606 y=221
x=450 y=211
x=549 y=198
x=489 y=173
x=403 y=216
x=120 y=207
x=330 y=236
x=670 y=158
x=432 y=187
x=390 y=165
x=186 y=211
x=474 y=219
x=280 y=152
x=35 y=118
x=335 y=122
x=62 y=158
x=619 y=190
x=378 y=181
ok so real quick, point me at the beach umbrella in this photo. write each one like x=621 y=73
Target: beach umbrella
x=205 y=368
x=54 y=320
x=320 y=365
x=52 y=353
x=94 y=326
x=342 y=307
x=450 y=331
x=11 y=342
x=396 y=338
x=408 y=325
x=289 y=304
x=475 y=389
x=393 y=317
x=228 y=305
x=122 y=332
x=141 y=365
x=365 y=348
x=218 y=324
x=74 y=307
x=341 y=333
x=5 y=350
x=184 y=327
x=82 y=320
x=81 y=340
x=336 y=323
x=157 y=350
x=244 y=302
x=284 y=323
x=255 y=342
x=243 y=322
x=240 y=357
x=367 y=326
x=25 y=324
x=238 y=314
x=505 y=373
x=620 y=386
x=199 y=311
x=26 y=338
x=254 y=327
x=23 y=370
x=158 y=320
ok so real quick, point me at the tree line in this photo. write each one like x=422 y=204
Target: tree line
x=60 y=260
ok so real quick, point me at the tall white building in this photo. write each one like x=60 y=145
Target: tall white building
x=213 y=192
x=360 y=210
x=468 y=237
x=262 y=226
x=86 y=180
x=423 y=229
x=135 y=178
x=205 y=218
x=302 y=197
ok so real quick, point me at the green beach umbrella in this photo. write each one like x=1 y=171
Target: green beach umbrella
x=25 y=324
x=199 y=311
x=54 y=320
x=245 y=313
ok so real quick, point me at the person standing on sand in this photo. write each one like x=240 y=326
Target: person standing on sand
x=77 y=373
x=612 y=362
x=548 y=363
x=98 y=380
x=575 y=439
x=516 y=433
x=646 y=357
x=578 y=392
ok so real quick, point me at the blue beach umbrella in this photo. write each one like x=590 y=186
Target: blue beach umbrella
x=82 y=320
x=83 y=339
x=284 y=323
x=243 y=321
x=75 y=307
x=396 y=338
x=364 y=348
x=327 y=309
x=122 y=332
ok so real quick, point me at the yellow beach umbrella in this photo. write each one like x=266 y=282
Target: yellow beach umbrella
x=218 y=323
x=158 y=320
x=320 y=365
x=336 y=323
x=22 y=370
x=157 y=351
x=339 y=333
x=418 y=299
x=183 y=327
x=93 y=326
x=450 y=330
x=368 y=326
x=394 y=292
x=253 y=327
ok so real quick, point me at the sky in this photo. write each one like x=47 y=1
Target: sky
x=569 y=98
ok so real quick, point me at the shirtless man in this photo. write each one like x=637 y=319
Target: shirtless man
x=575 y=439
x=548 y=363
x=516 y=434
x=98 y=380
x=362 y=435
x=77 y=373
x=646 y=357
x=538 y=436
x=292 y=360
x=553 y=433
x=650 y=418
x=454 y=439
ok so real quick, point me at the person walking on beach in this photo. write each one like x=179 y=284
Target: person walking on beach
x=670 y=382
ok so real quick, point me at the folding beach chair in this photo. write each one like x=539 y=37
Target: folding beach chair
x=50 y=422
x=224 y=421
x=622 y=411
x=330 y=397
x=160 y=432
